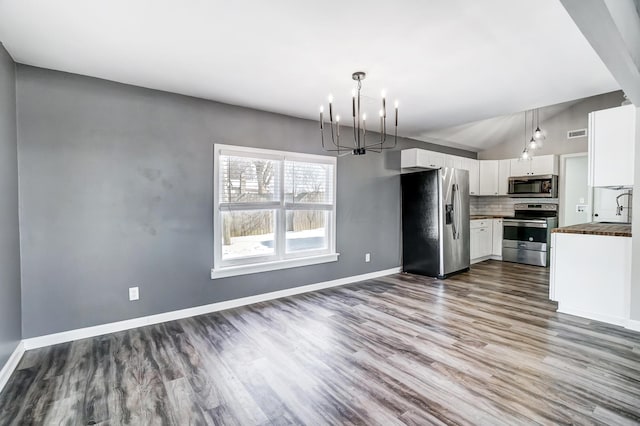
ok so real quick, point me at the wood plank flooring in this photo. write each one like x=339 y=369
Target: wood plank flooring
x=484 y=347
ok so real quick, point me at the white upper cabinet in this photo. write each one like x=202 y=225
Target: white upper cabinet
x=504 y=172
x=474 y=175
x=520 y=167
x=453 y=161
x=421 y=158
x=536 y=165
x=489 y=175
x=611 y=146
x=544 y=165
x=494 y=176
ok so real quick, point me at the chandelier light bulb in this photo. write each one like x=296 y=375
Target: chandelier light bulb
x=364 y=117
x=330 y=98
x=396 y=104
x=321 y=108
x=381 y=113
x=524 y=155
x=383 y=94
x=532 y=143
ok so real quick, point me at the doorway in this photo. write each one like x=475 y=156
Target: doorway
x=574 y=192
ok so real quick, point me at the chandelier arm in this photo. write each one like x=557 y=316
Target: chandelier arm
x=355 y=138
x=379 y=145
x=333 y=140
x=340 y=148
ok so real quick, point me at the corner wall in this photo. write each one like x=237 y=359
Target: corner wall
x=116 y=191
x=10 y=314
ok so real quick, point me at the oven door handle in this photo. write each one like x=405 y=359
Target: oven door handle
x=511 y=222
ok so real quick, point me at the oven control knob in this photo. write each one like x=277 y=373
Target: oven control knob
x=530 y=238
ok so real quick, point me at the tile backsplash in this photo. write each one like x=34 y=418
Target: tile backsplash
x=501 y=206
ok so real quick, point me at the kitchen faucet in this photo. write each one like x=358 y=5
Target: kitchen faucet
x=618 y=206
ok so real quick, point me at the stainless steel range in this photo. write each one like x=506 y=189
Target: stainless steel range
x=527 y=235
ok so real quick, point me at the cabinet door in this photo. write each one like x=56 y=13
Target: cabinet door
x=435 y=160
x=488 y=177
x=474 y=175
x=504 y=171
x=486 y=241
x=497 y=238
x=474 y=243
x=611 y=146
x=453 y=161
x=520 y=167
x=544 y=165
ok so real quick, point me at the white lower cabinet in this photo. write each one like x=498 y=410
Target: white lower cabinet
x=497 y=238
x=481 y=239
x=485 y=239
x=591 y=276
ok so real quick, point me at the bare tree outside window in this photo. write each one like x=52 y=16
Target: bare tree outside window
x=257 y=183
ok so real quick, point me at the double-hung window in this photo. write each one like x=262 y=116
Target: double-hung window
x=272 y=210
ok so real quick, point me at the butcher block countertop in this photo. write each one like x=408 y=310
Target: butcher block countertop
x=595 y=228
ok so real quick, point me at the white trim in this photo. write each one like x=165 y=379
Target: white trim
x=483 y=258
x=592 y=315
x=633 y=325
x=231 y=271
x=562 y=190
x=11 y=364
x=279 y=206
x=98 y=330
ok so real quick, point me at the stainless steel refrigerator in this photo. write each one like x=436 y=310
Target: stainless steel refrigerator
x=435 y=222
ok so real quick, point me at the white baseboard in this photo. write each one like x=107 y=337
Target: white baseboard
x=11 y=365
x=609 y=319
x=633 y=325
x=98 y=330
x=483 y=258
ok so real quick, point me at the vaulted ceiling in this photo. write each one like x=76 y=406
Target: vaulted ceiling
x=448 y=62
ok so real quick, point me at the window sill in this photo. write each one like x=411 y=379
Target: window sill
x=232 y=271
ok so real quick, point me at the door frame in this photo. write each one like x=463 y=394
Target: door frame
x=562 y=189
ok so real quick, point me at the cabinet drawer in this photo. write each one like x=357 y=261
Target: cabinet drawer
x=481 y=223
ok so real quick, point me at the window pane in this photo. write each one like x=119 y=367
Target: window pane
x=308 y=182
x=248 y=180
x=307 y=230
x=247 y=233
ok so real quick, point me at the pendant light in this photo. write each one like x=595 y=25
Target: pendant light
x=525 y=153
x=532 y=143
x=538 y=133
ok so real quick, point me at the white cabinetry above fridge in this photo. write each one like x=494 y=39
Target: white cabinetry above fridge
x=486 y=177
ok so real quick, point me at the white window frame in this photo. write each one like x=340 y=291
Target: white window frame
x=280 y=259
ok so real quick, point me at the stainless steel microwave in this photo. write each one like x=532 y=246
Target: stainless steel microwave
x=542 y=186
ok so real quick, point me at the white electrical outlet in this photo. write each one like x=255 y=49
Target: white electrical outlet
x=367 y=257
x=134 y=293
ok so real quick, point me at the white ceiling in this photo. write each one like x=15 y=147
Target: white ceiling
x=448 y=62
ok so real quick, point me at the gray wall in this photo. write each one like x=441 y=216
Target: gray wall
x=10 y=325
x=556 y=127
x=116 y=191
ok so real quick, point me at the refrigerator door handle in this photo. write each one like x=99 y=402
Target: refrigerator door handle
x=456 y=211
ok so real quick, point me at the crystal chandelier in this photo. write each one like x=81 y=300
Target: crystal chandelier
x=360 y=145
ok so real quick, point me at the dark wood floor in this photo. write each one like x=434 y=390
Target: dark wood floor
x=485 y=347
